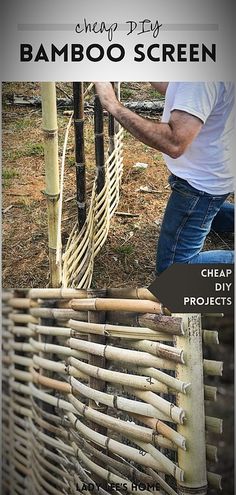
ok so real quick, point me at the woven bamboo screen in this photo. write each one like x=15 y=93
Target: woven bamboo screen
x=104 y=388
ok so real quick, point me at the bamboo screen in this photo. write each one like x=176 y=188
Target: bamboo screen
x=104 y=389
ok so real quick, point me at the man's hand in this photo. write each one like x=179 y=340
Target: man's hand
x=106 y=95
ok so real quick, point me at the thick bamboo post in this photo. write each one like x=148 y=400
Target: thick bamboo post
x=79 y=152
x=193 y=460
x=52 y=192
x=94 y=383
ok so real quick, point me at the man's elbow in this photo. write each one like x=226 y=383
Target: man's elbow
x=176 y=151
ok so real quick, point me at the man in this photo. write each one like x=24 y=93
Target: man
x=195 y=137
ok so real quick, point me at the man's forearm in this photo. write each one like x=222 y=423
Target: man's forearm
x=158 y=135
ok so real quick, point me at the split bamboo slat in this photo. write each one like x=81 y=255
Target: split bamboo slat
x=101 y=387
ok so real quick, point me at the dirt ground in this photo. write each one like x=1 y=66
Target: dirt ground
x=128 y=257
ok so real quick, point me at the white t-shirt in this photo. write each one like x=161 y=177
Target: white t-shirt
x=207 y=162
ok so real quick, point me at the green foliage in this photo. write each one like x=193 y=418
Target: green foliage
x=35 y=149
x=125 y=250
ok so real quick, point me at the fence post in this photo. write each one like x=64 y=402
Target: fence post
x=193 y=460
x=52 y=192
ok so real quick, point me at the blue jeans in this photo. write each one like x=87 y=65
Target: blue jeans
x=189 y=216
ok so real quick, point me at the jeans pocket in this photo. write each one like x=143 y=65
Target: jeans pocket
x=213 y=208
x=182 y=187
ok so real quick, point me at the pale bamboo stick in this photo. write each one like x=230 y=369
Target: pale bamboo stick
x=124 y=332
x=56 y=349
x=173 y=436
x=177 y=414
x=115 y=424
x=210 y=337
x=214 y=368
x=22 y=303
x=58 y=314
x=214 y=480
x=161 y=350
x=128 y=405
x=167 y=488
x=210 y=393
x=62 y=293
x=107 y=475
x=121 y=355
x=214 y=425
x=212 y=453
x=59 y=367
x=52 y=192
x=114 y=446
x=100 y=304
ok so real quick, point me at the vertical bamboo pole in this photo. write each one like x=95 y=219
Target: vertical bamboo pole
x=94 y=383
x=79 y=152
x=52 y=192
x=193 y=460
x=113 y=125
x=99 y=143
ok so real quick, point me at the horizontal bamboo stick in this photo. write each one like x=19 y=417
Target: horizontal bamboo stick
x=50 y=399
x=22 y=318
x=210 y=393
x=62 y=293
x=6 y=295
x=163 y=429
x=61 y=446
x=107 y=475
x=214 y=368
x=214 y=480
x=49 y=330
x=161 y=350
x=50 y=465
x=214 y=425
x=210 y=337
x=58 y=367
x=212 y=453
x=100 y=304
x=175 y=413
x=115 y=424
x=50 y=382
x=20 y=346
x=174 y=384
x=114 y=446
x=57 y=314
x=121 y=355
x=56 y=349
x=168 y=465
x=52 y=479
x=129 y=293
x=22 y=303
x=124 y=332
x=124 y=467
x=23 y=376
x=120 y=403
x=124 y=379
x=167 y=488
x=22 y=331
x=168 y=324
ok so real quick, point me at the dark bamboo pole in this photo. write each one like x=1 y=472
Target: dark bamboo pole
x=99 y=143
x=79 y=152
